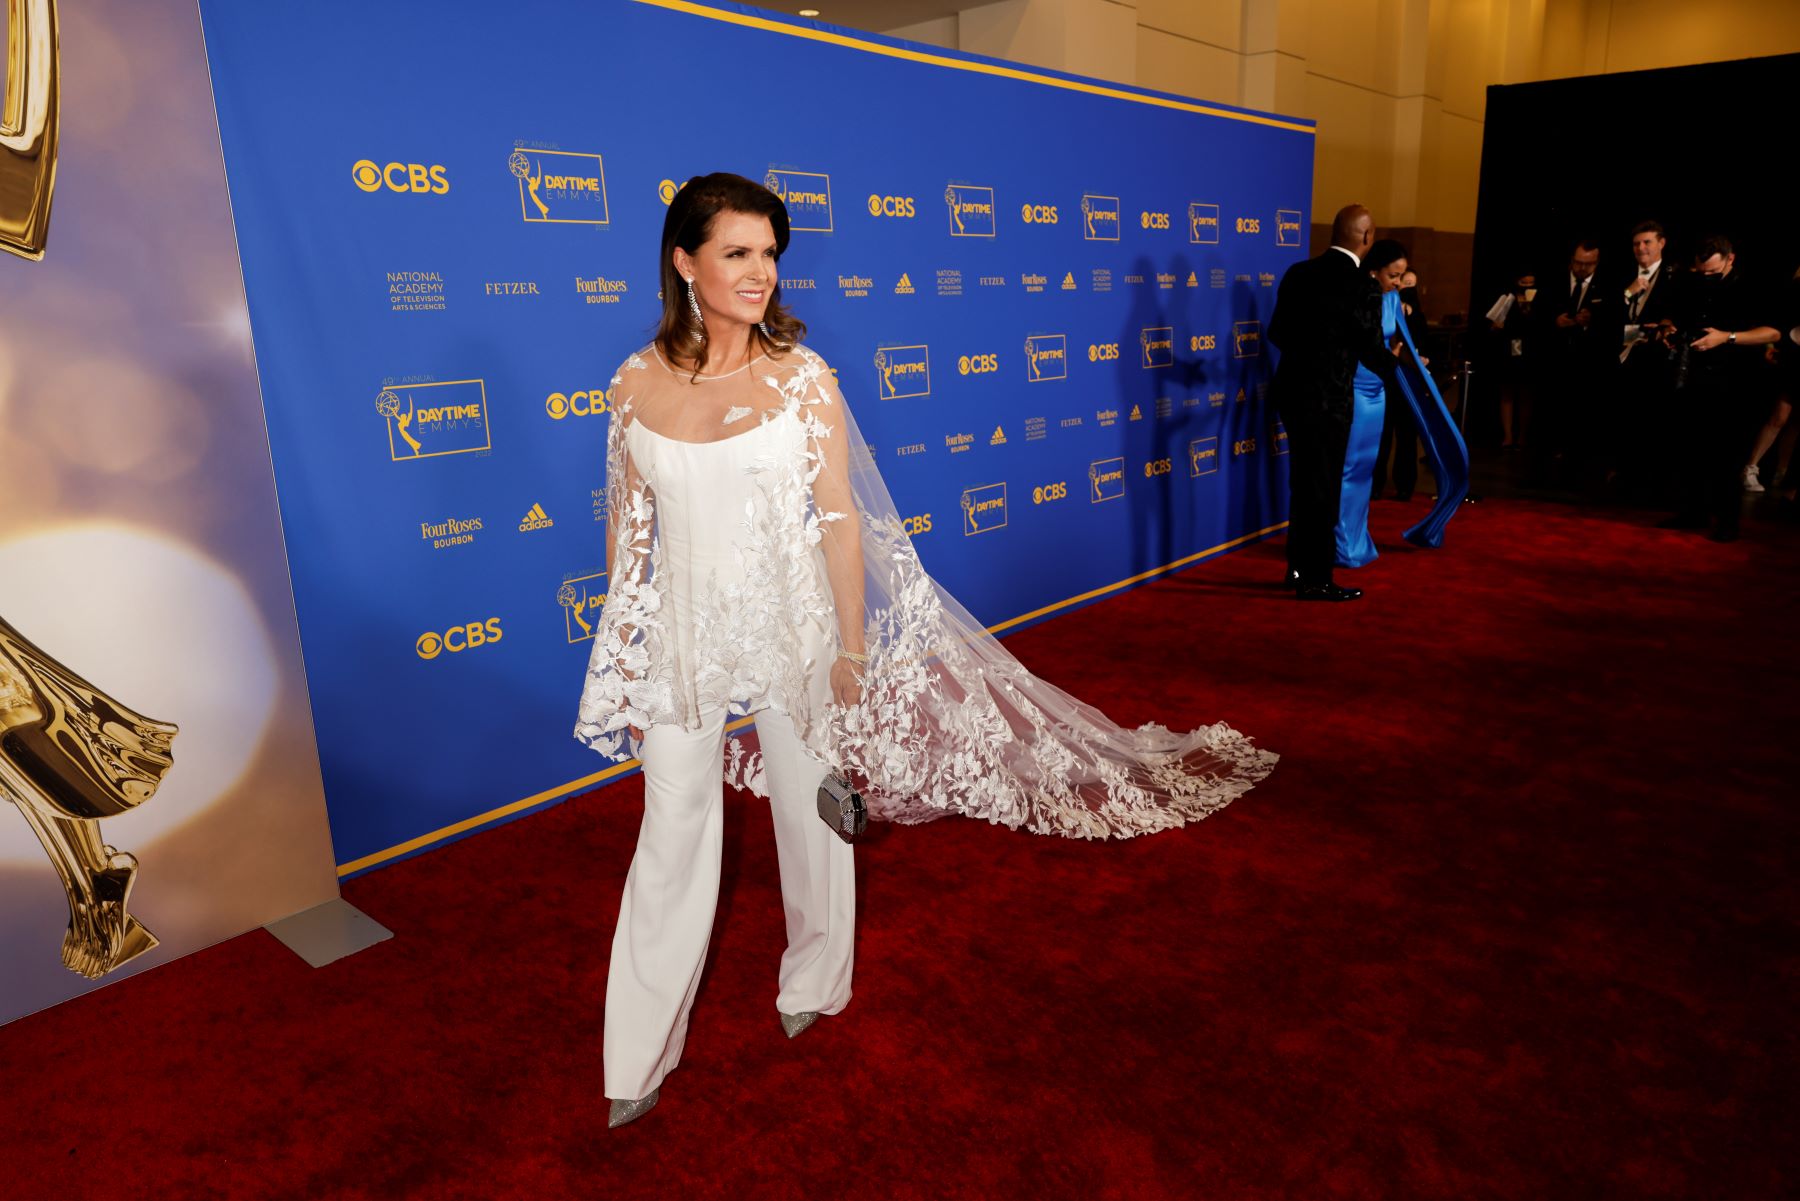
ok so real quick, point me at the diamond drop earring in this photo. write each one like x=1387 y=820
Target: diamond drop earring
x=694 y=307
x=764 y=327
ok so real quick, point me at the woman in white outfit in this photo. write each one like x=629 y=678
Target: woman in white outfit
x=757 y=566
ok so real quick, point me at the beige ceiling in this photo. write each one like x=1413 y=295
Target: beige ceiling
x=876 y=16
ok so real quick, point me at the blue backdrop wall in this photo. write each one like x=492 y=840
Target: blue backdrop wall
x=1043 y=297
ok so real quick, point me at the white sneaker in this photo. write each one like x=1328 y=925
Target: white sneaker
x=1751 y=482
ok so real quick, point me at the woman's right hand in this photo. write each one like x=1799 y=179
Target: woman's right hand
x=846 y=681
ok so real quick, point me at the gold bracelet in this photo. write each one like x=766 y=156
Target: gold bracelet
x=853 y=656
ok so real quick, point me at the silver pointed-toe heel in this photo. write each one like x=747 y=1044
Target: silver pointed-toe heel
x=630 y=1111
x=795 y=1023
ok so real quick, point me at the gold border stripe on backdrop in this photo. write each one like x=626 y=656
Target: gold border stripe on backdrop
x=599 y=777
x=979 y=68
x=1141 y=576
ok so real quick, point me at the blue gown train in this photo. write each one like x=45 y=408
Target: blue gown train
x=1445 y=452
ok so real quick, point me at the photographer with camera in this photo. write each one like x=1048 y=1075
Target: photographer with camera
x=1513 y=336
x=1713 y=341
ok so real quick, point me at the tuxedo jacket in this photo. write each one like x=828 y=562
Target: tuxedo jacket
x=1644 y=360
x=1327 y=319
x=1658 y=303
x=1580 y=345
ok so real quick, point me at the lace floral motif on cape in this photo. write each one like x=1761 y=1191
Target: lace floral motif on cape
x=949 y=721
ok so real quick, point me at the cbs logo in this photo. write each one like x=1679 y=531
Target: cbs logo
x=1103 y=352
x=1039 y=214
x=458 y=638
x=1156 y=467
x=1249 y=225
x=1203 y=342
x=1057 y=491
x=890 y=206
x=399 y=177
x=665 y=191
x=917 y=525
x=977 y=364
x=1154 y=220
x=579 y=404
x=1243 y=446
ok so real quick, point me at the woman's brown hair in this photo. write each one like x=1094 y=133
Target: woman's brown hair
x=688 y=225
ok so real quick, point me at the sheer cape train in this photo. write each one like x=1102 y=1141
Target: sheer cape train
x=949 y=721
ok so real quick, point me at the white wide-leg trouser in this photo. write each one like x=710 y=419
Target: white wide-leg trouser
x=672 y=890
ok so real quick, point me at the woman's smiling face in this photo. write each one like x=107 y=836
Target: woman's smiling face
x=734 y=271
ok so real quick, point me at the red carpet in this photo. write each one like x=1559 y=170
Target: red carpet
x=1515 y=917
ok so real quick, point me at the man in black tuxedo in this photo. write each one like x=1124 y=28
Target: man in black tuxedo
x=1327 y=319
x=1581 y=330
x=1643 y=404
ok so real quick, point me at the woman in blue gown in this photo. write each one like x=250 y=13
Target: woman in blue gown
x=1386 y=261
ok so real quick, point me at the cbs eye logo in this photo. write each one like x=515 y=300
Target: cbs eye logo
x=977 y=364
x=1057 y=491
x=917 y=525
x=1249 y=225
x=1039 y=214
x=1103 y=352
x=1243 y=446
x=1154 y=220
x=1156 y=467
x=458 y=638
x=399 y=177
x=891 y=206
x=665 y=191
x=579 y=404
x=1203 y=342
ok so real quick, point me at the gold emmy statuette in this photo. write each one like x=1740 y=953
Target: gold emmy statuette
x=520 y=165
x=887 y=372
x=69 y=756
x=576 y=602
x=28 y=121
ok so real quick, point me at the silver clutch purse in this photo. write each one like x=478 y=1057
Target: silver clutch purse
x=842 y=808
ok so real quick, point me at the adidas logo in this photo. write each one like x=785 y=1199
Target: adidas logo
x=999 y=438
x=1137 y=413
x=537 y=519
x=1193 y=280
x=1069 y=282
x=905 y=286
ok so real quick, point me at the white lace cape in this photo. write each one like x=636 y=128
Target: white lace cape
x=949 y=721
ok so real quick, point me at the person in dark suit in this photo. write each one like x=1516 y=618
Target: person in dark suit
x=1643 y=399
x=1580 y=328
x=1327 y=319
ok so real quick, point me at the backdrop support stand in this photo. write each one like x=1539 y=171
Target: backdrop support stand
x=1462 y=417
x=329 y=932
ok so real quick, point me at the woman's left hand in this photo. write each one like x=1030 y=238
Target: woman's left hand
x=846 y=681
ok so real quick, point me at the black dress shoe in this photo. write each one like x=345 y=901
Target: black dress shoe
x=1724 y=534
x=1682 y=521
x=1326 y=592
x=1293 y=579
